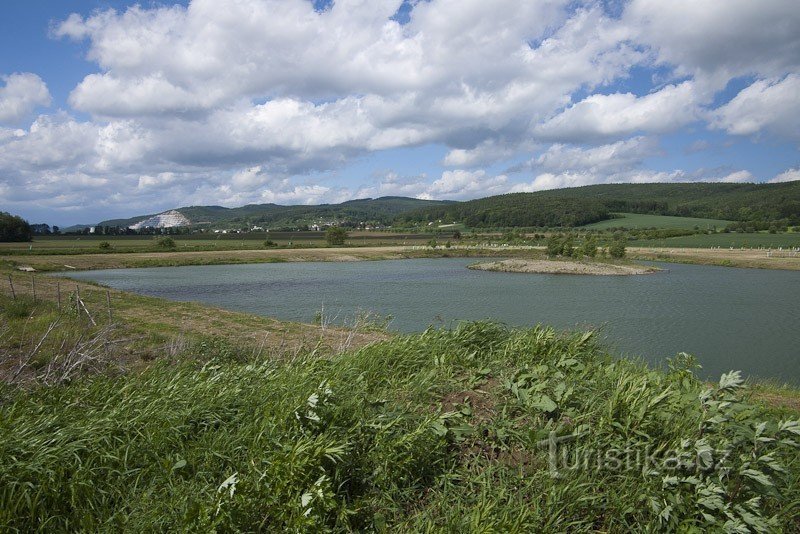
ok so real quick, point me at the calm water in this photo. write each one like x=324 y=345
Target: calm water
x=729 y=318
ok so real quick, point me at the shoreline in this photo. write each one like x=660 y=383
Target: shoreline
x=753 y=259
x=148 y=328
x=580 y=268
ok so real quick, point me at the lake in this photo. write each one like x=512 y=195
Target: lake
x=745 y=319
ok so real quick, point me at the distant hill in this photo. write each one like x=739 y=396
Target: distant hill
x=580 y=206
x=376 y=210
x=514 y=209
x=577 y=206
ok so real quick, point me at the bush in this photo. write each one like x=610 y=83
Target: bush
x=335 y=235
x=553 y=246
x=589 y=247
x=270 y=243
x=166 y=242
x=617 y=248
x=104 y=245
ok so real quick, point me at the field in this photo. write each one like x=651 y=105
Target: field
x=726 y=240
x=203 y=242
x=636 y=220
x=64 y=262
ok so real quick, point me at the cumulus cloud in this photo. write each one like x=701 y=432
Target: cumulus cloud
x=564 y=165
x=459 y=184
x=719 y=40
x=235 y=101
x=19 y=96
x=766 y=105
x=790 y=175
x=622 y=114
x=584 y=177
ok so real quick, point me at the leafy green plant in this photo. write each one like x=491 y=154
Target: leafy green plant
x=438 y=431
x=166 y=242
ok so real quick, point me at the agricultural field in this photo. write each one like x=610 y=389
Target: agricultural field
x=638 y=221
x=725 y=240
x=201 y=242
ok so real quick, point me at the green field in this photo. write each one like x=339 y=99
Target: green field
x=204 y=242
x=636 y=220
x=735 y=240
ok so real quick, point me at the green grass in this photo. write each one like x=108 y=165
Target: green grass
x=735 y=240
x=636 y=220
x=440 y=431
x=199 y=242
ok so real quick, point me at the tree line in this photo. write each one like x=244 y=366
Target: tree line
x=14 y=228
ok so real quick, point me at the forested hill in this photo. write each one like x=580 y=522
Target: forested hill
x=377 y=210
x=583 y=205
x=514 y=209
x=555 y=208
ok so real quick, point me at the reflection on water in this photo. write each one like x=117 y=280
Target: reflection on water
x=729 y=318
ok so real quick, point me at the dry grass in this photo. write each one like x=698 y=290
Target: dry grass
x=754 y=259
x=140 y=329
x=170 y=259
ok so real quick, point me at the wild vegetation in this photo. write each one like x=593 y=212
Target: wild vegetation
x=14 y=228
x=444 y=430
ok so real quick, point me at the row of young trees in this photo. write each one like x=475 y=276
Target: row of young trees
x=565 y=246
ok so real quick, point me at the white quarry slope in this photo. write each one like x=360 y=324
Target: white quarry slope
x=168 y=219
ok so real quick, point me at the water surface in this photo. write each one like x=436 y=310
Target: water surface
x=729 y=318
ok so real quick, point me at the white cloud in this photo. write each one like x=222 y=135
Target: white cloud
x=789 y=175
x=716 y=40
x=456 y=184
x=622 y=114
x=737 y=177
x=766 y=105
x=610 y=158
x=227 y=101
x=20 y=94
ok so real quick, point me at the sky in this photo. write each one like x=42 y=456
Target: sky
x=110 y=108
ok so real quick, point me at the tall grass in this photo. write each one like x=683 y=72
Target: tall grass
x=437 y=431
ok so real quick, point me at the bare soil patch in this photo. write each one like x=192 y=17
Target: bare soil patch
x=562 y=267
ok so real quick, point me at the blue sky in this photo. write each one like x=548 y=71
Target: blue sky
x=111 y=109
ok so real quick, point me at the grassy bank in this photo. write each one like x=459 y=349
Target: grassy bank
x=115 y=331
x=54 y=263
x=445 y=430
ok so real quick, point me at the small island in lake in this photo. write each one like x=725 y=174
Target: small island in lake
x=543 y=266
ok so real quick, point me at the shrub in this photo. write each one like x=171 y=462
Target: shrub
x=617 y=248
x=166 y=242
x=553 y=246
x=104 y=245
x=335 y=235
